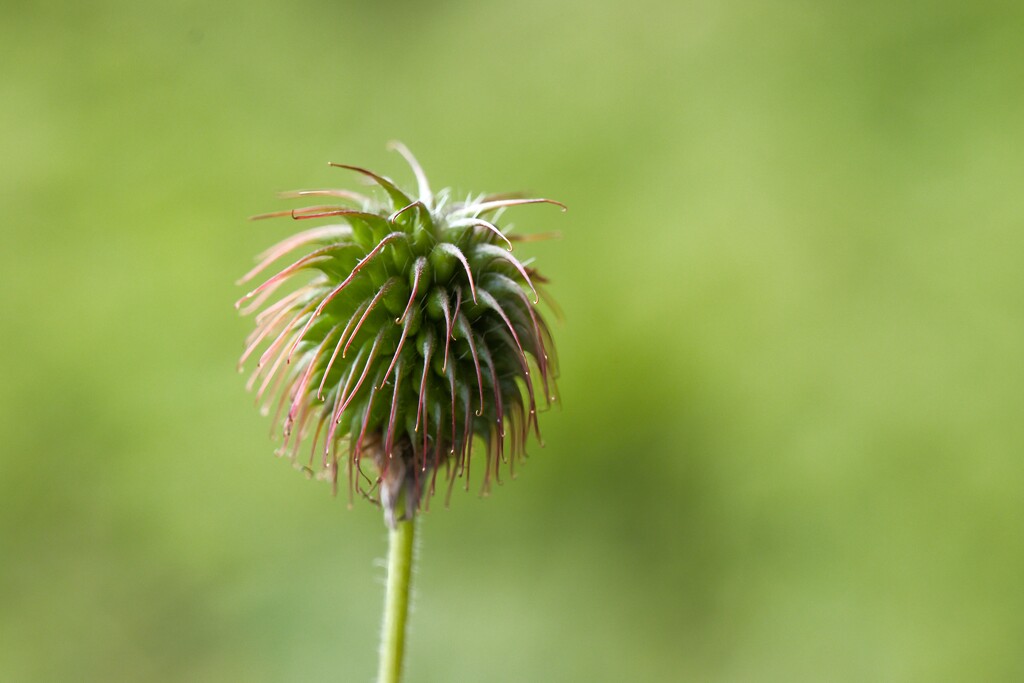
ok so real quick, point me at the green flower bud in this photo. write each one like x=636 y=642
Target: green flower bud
x=408 y=330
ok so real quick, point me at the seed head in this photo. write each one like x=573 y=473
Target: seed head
x=406 y=331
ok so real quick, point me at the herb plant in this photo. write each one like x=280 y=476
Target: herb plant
x=407 y=332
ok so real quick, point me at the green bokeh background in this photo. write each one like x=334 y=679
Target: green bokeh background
x=790 y=447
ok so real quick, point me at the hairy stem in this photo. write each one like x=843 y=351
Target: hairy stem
x=396 y=603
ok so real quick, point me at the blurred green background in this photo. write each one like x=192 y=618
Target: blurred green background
x=790 y=445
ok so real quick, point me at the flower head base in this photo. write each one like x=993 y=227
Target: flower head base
x=407 y=330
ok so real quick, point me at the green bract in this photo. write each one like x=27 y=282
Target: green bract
x=406 y=331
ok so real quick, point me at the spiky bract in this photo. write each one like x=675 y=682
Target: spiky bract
x=414 y=333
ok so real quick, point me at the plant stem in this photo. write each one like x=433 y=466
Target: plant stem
x=396 y=603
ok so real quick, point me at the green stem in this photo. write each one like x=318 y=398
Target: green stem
x=396 y=603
